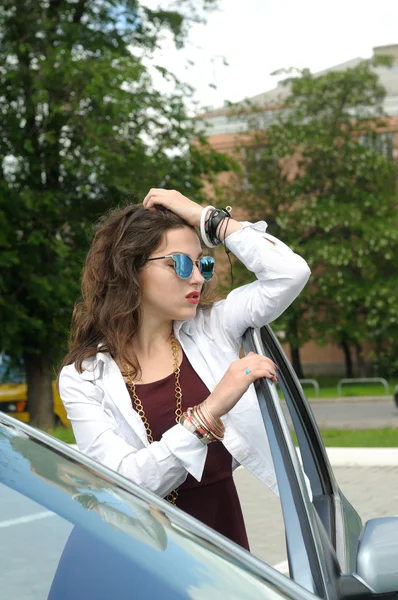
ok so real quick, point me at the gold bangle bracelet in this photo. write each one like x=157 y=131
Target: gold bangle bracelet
x=203 y=425
x=192 y=429
x=216 y=424
x=213 y=429
x=203 y=430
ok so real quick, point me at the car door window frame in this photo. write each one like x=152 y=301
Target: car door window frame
x=312 y=558
x=339 y=518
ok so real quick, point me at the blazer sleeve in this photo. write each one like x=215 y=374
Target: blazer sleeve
x=160 y=467
x=281 y=276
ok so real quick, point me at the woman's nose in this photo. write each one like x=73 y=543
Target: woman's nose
x=196 y=274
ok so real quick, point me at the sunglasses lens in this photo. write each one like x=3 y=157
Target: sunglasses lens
x=184 y=265
x=207 y=267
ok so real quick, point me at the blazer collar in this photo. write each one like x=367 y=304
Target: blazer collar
x=188 y=327
x=94 y=365
x=103 y=367
x=116 y=388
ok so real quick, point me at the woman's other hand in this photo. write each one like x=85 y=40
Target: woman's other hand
x=176 y=202
x=240 y=374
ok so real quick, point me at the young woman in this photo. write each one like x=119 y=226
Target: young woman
x=153 y=383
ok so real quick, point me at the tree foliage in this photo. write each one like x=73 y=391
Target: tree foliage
x=81 y=126
x=322 y=173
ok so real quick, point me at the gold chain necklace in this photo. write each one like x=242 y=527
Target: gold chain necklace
x=172 y=497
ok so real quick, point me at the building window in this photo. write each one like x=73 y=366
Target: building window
x=384 y=142
x=259 y=166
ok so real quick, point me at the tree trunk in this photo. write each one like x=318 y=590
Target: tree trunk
x=347 y=358
x=38 y=369
x=360 y=360
x=296 y=361
x=293 y=335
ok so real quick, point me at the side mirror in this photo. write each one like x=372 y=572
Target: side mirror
x=377 y=557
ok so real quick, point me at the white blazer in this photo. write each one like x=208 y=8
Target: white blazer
x=109 y=430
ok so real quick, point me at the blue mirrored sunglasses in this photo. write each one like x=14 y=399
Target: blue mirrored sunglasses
x=183 y=265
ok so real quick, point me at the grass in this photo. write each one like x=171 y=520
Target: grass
x=344 y=438
x=328 y=388
x=359 y=438
x=64 y=434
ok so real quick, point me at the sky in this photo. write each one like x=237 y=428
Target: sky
x=257 y=37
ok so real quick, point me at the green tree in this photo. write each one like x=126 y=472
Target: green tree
x=81 y=126
x=322 y=175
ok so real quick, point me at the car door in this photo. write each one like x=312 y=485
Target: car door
x=321 y=534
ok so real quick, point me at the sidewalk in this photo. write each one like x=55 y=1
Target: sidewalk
x=356 y=457
x=372 y=491
x=363 y=457
x=384 y=398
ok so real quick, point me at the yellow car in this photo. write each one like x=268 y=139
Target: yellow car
x=13 y=401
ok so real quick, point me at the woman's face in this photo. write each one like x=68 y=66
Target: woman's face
x=164 y=294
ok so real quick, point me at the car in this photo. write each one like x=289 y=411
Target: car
x=14 y=395
x=14 y=401
x=73 y=529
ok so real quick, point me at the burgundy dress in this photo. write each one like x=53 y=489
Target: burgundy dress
x=214 y=499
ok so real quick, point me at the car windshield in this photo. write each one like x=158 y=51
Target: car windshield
x=68 y=531
x=10 y=372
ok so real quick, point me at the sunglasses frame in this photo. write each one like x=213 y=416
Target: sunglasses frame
x=194 y=262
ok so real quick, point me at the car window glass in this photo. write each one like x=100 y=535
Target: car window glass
x=34 y=565
x=262 y=512
x=32 y=539
x=102 y=538
x=317 y=484
x=288 y=393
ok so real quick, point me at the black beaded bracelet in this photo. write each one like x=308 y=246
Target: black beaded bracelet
x=216 y=216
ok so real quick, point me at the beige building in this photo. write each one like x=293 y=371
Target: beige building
x=223 y=132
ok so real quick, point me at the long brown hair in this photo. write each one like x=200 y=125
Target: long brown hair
x=108 y=315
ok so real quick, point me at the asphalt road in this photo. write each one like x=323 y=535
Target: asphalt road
x=347 y=414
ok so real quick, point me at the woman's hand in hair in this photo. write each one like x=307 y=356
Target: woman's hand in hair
x=236 y=382
x=176 y=202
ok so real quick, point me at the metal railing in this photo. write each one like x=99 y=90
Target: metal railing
x=381 y=380
x=312 y=382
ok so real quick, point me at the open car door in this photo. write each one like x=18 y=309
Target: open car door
x=323 y=533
